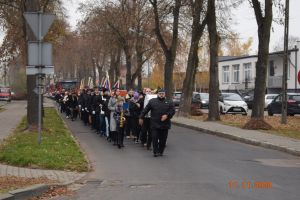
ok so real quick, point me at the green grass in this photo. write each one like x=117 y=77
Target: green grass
x=58 y=149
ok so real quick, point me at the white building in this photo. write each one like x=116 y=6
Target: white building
x=238 y=73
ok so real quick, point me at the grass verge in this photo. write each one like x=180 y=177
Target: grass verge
x=58 y=149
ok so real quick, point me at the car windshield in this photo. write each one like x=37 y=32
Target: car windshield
x=177 y=95
x=68 y=85
x=232 y=97
x=4 y=90
x=295 y=97
x=271 y=97
x=204 y=95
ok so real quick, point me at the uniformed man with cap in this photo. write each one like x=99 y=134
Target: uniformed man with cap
x=162 y=110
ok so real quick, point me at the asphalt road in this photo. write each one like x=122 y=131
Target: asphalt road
x=196 y=166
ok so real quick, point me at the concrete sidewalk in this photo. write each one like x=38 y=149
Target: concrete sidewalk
x=288 y=145
x=11 y=116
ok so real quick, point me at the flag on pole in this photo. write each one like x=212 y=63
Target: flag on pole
x=106 y=84
x=101 y=82
x=81 y=84
x=117 y=85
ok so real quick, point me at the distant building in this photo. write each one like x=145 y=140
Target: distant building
x=237 y=73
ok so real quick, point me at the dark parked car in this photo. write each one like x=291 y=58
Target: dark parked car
x=293 y=104
x=202 y=98
x=176 y=98
x=249 y=100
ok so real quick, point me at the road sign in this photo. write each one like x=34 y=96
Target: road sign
x=32 y=70
x=36 y=90
x=46 y=54
x=32 y=19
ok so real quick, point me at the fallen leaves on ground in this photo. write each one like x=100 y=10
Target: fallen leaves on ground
x=293 y=124
x=54 y=191
x=8 y=183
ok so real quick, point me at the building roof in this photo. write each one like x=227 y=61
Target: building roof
x=230 y=58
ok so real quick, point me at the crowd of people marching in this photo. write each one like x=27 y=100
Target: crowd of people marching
x=137 y=116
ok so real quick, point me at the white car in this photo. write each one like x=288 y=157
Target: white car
x=269 y=98
x=232 y=103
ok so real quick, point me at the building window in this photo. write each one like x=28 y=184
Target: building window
x=226 y=74
x=236 y=73
x=272 y=68
x=247 y=72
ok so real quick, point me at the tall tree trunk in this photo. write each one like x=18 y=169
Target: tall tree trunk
x=32 y=98
x=193 y=60
x=213 y=114
x=111 y=71
x=129 y=83
x=140 y=81
x=264 y=27
x=168 y=75
x=94 y=65
x=169 y=52
x=117 y=66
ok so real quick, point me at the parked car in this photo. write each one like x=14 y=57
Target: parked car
x=249 y=100
x=269 y=98
x=202 y=98
x=176 y=98
x=5 y=94
x=232 y=103
x=293 y=104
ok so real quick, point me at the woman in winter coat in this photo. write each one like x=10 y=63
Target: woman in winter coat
x=112 y=106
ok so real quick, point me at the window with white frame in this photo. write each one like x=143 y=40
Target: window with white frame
x=247 y=72
x=226 y=74
x=236 y=73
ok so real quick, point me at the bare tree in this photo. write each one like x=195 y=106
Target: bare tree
x=214 y=39
x=169 y=50
x=198 y=26
x=264 y=22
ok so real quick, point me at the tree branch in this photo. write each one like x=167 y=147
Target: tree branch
x=157 y=27
x=258 y=11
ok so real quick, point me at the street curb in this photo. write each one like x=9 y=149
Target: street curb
x=6 y=196
x=25 y=193
x=240 y=139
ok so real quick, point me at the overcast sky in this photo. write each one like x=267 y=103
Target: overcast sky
x=243 y=18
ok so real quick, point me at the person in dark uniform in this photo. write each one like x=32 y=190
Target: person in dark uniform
x=162 y=110
x=128 y=128
x=146 y=137
x=86 y=99
x=105 y=113
x=81 y=104
x=73 y=106
x=135 y=111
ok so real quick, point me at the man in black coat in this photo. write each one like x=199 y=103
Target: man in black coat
x=73 y=106
x=162 y=110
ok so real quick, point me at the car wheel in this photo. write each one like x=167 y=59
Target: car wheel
x=270 y=113
x=245 y=114
x=291 y=114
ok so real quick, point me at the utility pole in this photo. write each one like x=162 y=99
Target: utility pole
x=285 y=65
